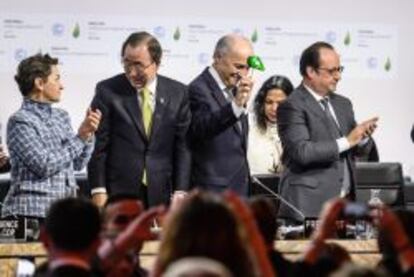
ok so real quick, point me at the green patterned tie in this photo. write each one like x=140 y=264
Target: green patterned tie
x=147 y=120
x=146 y=109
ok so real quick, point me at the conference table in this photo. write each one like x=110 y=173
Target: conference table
x=364 y=252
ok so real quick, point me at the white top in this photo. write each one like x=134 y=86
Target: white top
x=264 y=149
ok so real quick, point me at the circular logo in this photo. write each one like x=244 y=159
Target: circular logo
x=58 y=29
x=20 y=54
x=203 y=58
x=372 y=62
x=159 y=31
x=330 y=37
x=238 y=31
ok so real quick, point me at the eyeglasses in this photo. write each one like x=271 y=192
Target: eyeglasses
x=332 y=71
x=138 y=66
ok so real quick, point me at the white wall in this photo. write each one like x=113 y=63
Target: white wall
x=389 y=98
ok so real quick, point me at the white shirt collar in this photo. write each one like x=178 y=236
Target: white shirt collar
x=152 y=86
x=216 y=77
x=69 y=261
x=317 y=97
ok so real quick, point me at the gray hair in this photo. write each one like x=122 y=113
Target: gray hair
x=224 y=44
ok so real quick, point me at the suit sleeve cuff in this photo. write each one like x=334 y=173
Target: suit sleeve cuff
x=98 y=190
x=343 y=144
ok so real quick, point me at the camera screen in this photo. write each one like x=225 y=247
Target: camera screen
x=356 y=210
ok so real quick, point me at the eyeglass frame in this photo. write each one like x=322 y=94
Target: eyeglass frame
x=332 y=71
x=138 y=66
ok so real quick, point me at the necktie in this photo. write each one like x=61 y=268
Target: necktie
x=332 y=122
x=146 y=109
x=229 y=92
x=346 y=181
x=147 y=120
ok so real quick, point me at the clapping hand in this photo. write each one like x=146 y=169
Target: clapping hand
x=90 y=124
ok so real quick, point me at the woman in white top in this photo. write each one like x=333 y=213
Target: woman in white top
x=265 y=149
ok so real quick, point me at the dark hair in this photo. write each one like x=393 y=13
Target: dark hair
x=355 y=270
x=138 y=38
x=332 y=257
x=389 y=259
x=73 y=223
x=265 y=213
x=274 y=82
x=205 y=227
x=311 y=55
x=37 y=66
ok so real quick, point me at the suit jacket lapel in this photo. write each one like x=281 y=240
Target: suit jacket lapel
x=339 y=113
x=316 y=108
x=132 y=106
x=161 y=102
x=312 y=104
x=215 y=89
x=218 y=95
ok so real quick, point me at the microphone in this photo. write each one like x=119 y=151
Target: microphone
x=279 y=197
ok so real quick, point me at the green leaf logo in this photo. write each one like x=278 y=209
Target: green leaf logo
x=255 y=36
x=387 y=65
x=347 y=40
x=76 y=31
x=177 y=34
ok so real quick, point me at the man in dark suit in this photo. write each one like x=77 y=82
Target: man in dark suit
x=141 y=144
x=319 y=134
x=218 y=98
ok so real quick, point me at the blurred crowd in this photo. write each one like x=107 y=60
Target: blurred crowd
x=208 y=234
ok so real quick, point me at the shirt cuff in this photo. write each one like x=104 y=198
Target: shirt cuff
x=90 y=140
x=180 y=192
x=363 y=141
x=238 y=111
x=343 y=144
x=98 y=190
